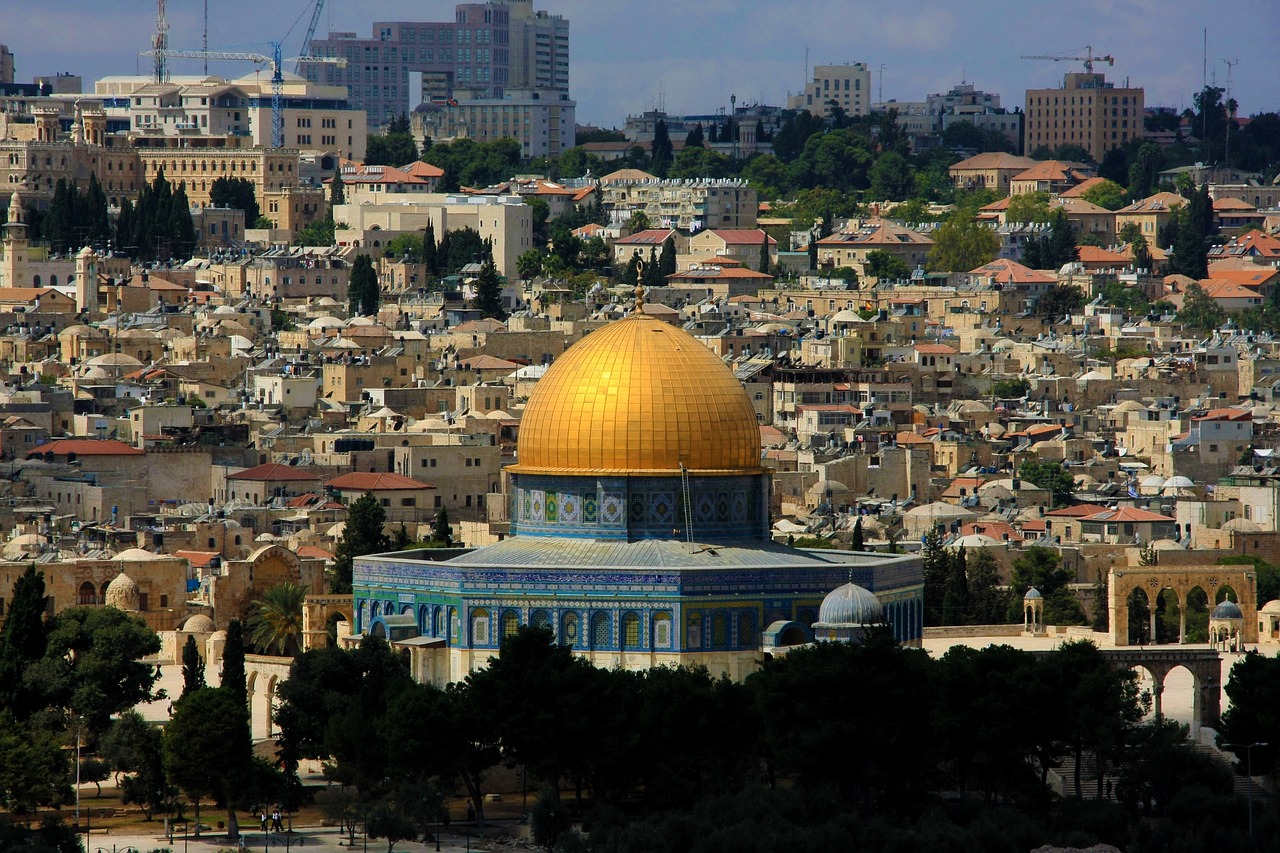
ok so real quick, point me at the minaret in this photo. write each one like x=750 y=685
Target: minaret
x=87 y=281
x=14 y=262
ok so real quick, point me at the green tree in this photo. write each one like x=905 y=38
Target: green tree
x=1106 y=194
x=1253 y=710
x=134 y=747
x=937 y=567
x=891 y=178
x=1194 y=224
x=637 y=222
x=93 y=664
x=988 y=601
x=362 y=534
x=208 y=752
x=1028 y=207
x=318 y=233
x=441 y=532
x=192 y=666
x=276 y=621
x=1058 y=301
x=233 y=669
x=1200 y=310
x=390 y=149
x=238 y=193
x=1051 y=476
x=694 y=138
x=961 y=243
x=23 y=640
x=886 y=267
x=363 y=293
x=955 y=599
x=34 y=769
x=529 y=264
x=489 y=292
x=337 y=191
x=660 y=149
x=405 y=247
x=1010 y=388
x=1042 y=568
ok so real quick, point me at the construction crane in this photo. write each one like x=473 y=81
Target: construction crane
x=277 y=75
x=1088 y=59
x=306 y=40
x=160 y=44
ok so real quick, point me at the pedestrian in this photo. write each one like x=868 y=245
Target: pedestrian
x=262 y=816
x=276 y=825
x=1108 y=789
x=471 y=812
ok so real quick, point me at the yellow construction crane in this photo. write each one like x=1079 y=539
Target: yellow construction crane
x=1088 y=59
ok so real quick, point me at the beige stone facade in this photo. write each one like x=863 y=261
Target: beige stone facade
x=1087 y=111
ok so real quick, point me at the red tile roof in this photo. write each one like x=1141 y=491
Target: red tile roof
x=198 y=559
x=368 y=481
x=1126 y=513
x=87 y=447
x=275 y=472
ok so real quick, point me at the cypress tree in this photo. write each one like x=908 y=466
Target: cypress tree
x=430 y=258
x=22 y=642
x=632 y=269
x=813 y=251
x=660 y=149
x=181 y=229
x=362 y=290
x=361 y=535
x=442 y=532
x=694 y=138
x=857 y=535
x=233 y=675
x=667 y=260
x=489 y=292
x=764 y=253
x=955 y=603
x=192 y=667
x=653 y=269
x=337 y=191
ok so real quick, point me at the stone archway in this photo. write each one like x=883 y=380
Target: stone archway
x=1205 y=666
x=273 y=565
x=1153 y=580
x=263 y=675
x=318 y=611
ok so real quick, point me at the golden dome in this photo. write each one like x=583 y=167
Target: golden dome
x=638 y=396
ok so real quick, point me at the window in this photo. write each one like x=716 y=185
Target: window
x=662 y=630
x=630 y=631
x=480 y=627
x=569 y=629
x=599 y=630
x=510 y=623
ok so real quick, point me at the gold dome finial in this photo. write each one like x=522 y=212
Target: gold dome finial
x=639 y=286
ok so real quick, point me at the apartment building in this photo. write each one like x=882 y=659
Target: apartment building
x=1087 y=111
x=687 y=204
x=541 y=120
x=487 y=48
x=845 y=86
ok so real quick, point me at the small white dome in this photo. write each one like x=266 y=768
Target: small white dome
x=851 y=605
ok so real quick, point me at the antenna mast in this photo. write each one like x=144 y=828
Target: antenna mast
x=160 y=42
x=204 y=40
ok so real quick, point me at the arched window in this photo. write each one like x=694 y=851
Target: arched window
x=102 y=594
x=53 y=281
x=541 y=620
x=87 y=594
x=479 y=627
x=662 y=629
x=569 y=629
x=747 y=629
x=510 y=623
x=720 y=631
x=630 y=631
x=600 y=632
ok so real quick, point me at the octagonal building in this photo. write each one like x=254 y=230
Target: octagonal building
x=640 y=529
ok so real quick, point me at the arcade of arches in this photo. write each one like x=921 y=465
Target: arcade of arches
x=1194 y=588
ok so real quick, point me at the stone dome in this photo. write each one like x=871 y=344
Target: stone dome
x=199 y=624
x=1227 y=610
x=638 y=396
x=850 y=605
x=122 y=593
x=1272 y=606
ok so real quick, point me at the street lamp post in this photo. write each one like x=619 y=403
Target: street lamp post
x=1248 y=748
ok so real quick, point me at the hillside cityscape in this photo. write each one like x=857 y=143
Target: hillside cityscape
x=389 y=457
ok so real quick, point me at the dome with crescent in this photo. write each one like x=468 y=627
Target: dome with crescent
x=638 y=396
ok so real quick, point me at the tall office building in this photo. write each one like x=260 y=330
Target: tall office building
x=6 y=64
x=845 y=86
x=1087 y=111
x=487 y=48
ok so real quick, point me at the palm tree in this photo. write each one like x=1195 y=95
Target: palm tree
x=276 y=621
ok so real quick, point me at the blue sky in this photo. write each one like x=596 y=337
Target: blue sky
x=698 y=52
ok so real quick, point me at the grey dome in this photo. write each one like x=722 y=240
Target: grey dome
x=1227 y=610
x=1033 y=594
x=199 y=624
x=851 y=605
